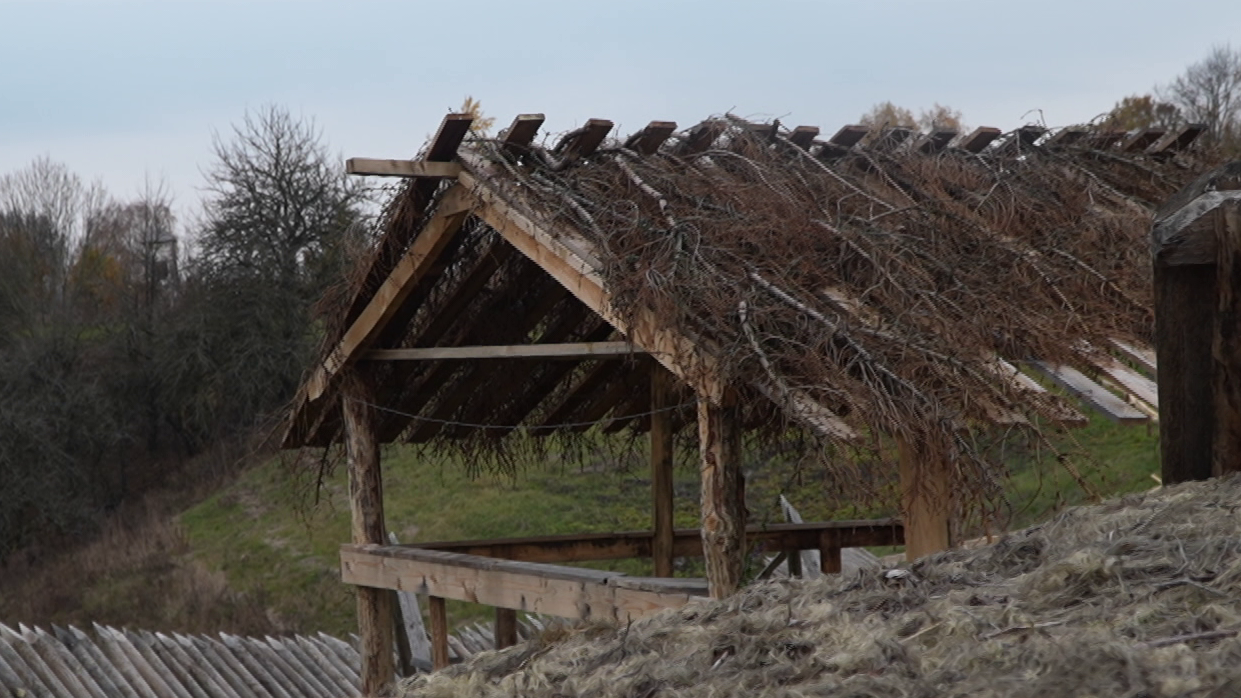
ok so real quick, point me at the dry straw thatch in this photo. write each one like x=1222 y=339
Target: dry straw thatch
x=1140 y=596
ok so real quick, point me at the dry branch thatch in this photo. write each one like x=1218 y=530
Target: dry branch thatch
x=1140 y=596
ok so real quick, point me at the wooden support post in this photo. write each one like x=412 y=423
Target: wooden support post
x=439 y=632
x=1197 y=338
x=375 y=620
x=506 y=628
x=829 y=553
x=723 y=496
x=1226 y=343
x=662 y=394
x=926 y=500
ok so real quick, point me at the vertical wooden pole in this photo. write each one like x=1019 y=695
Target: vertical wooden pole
x=506 y=628
x=662 y=397
x=1184 y=317
x=829 y=552
x=926 y=500
x=723 y=497
x=439 y=632
x=1226 y=343
x=375 y=620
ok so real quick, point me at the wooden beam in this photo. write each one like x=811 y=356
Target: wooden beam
x=1142 y=140
x=936 y=141
x=1129 y=380
x=567 y=592
x=505 y=628
x=803 y=136
x=402 y=168
x=723 y=497
x=1102 y=140
x=663 y=398
x=375 y=621
x=849 y=136
x=701 y=137
x=927 y=501
x=521 y=133
x=668 y=347
x=1070 y=135
x=584 y=141
x=979 y=138
x=686 y=542
x=439 y=632
x=1226 y=342
x=415 y=263
x=648 y=140
x=1101 y=399
x=890 y=138
x=1184 y=318
x=569 y=350
x=1143 y=356
x=1178 y=140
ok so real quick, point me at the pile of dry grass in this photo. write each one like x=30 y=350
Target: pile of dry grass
x=1140 y=596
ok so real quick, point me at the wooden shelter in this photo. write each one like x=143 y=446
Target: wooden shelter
x=875 y=287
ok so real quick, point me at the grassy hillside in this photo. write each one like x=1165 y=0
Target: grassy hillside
x=270 y=546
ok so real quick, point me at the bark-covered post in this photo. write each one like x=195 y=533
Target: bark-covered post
x=663 y=384
x=723 y=496
x=1197 y=275
x=375 y=622
x=927 y=501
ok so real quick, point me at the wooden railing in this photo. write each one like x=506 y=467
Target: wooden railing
x=515 y=574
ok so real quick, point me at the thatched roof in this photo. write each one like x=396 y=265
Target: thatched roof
x=1134 y=597
x=852 y=289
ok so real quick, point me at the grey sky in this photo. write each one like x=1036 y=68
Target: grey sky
x=119 y=90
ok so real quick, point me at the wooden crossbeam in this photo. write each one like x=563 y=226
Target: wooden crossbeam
x=686 y=542
x=979 y=138
x=1142 y=140
x=402 y=168
x=520 y=134
x=803 y=136
x=1093 y=394
x=648 y=140
x=584 y=141
x=569 y=350
x=1178 y=140
x=936 y=141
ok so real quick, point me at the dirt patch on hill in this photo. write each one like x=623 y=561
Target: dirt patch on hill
x=1140 y=596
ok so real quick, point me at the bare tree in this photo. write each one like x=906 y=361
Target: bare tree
x=1209 y=92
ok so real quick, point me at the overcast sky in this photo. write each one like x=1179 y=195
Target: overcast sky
x=122 y=90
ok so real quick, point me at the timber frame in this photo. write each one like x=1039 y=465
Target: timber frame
x=612 y=367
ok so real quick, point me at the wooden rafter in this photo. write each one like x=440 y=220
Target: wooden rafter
x=979 y=138
x=568 y=350
x=803 y=136
x=520 y=134
x=648 y=140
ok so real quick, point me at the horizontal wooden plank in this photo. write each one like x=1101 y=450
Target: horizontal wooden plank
x=1144 y=357
x=979 y=138
x=572 y=350
x=1129 y=380
x=567 y=592
x=687 y=542
x=1089 y=392
x=402 y=168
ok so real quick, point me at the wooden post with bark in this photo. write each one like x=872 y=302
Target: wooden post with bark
x=723 y=496
x=375 y=622
x=1196 y=247
x=927 y=501
x=663 y=385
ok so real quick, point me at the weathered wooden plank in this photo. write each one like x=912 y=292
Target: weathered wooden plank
x=568 y=351
x=1143 y=356
x=849 y=136
x=402 y=168
x=1070 y=135
x=723 y=497
x=935 y=141
x=979 y=138
x=584 y=141
x=686 y=542
x=1178 y=140
x=1089 y=392
x=803 y=136
x=1132 y=382
x=701 y=137
x=367 y=515
x=1226 y=342
x=663 y=397
x=648 y=140
x=1141 y=140
x=521 y=133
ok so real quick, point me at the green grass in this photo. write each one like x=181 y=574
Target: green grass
x=274 y=548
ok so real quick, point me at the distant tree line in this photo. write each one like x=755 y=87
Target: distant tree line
x=130 y=341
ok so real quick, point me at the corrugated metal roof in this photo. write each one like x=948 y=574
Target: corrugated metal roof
x=111 y=663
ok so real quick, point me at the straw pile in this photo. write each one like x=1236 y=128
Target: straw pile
x=1139 y=596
